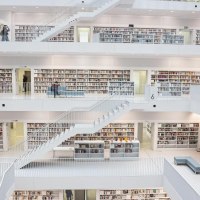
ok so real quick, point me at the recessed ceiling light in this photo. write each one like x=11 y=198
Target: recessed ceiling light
x=150 y=10
x=82 y=8
x=36 y=7
x=193 y=12
x=171 y=11
x=13 y=7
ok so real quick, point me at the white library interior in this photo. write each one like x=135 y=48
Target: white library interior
x=99 y=100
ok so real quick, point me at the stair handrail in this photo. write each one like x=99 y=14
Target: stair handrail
x=76 y=14
x=49 y=144
x=6 y=178
x=21 y=145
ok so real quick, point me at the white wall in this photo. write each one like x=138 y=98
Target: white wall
x=85 y=182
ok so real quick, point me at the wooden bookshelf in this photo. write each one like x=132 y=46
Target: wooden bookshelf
x=89 y=149
x=137 y=35
x=174 y=83
x=121 y=88
x=197 y=37
x=36 y=195
x=6 y=80
x=133 y=194
x=177 y=135
x=89 y=81
x=38 y=133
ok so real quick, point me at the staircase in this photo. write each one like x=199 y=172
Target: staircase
x=105 y=112
x=79 y=16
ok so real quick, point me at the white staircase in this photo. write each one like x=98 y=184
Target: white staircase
x=111 y=113
x=7 y=182
x=79 y=16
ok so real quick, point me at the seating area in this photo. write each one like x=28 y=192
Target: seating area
x=188 y=161
x=61 y=91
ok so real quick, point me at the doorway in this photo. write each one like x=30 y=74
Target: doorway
x=140 y=79
x=187 y=35
x=145 y=135
x=15 y=133
x=84 y=34
x=23 y=81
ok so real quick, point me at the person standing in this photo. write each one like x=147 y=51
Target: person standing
x=69 y=194
x=25 y=80
x=4 y=33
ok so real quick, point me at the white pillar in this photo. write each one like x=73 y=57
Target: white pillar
x=5 y=137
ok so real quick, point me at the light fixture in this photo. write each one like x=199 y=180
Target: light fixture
x=193 y=12
x=171 y=11
x=36 y=7
x=13 y=7
x=150 y=10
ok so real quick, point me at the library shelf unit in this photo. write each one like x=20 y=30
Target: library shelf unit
x=177 y=135
x=148 y=127
x=197 y=37
x=27 y=33
x=88 y=81
x=124 y=149
x=38 y=133
x=1 y=137
x=133 y=194
x=66 y=36
x=121 y=88
x=137 y=35
x=5 y=80
x=89 y=149
x=113 y=34
x=112 y=132
x=37 y=195
x=174 y=83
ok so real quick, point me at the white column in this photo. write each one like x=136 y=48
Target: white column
x=154 y=136
x=136 y=130
x=14 y=81
x=5 y=137
x=198 y=143
x=32 y=82
x=25 y=137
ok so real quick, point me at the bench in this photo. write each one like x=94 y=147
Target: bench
x=188 y=161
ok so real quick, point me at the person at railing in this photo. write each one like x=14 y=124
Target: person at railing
x=54 y=89
x=69 y=194
x=25 y=80
x=4 y=33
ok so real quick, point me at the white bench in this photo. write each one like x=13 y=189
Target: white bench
x=65 y=152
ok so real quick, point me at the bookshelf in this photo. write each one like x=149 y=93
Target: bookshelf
x=38 y=133
x=137 y=35
x=27 y=33
x=113 y=34
x=197 y=37
x=177 y=135
x=66 y=36
x=89 y=81
x=36 y=195
x=148 y=127
x=89 y=149
x=133 y=194
x=124 y=149
x=5 y=80
x=1 y=137
x=112 y=132
x=174 y=83
x=121 y=88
